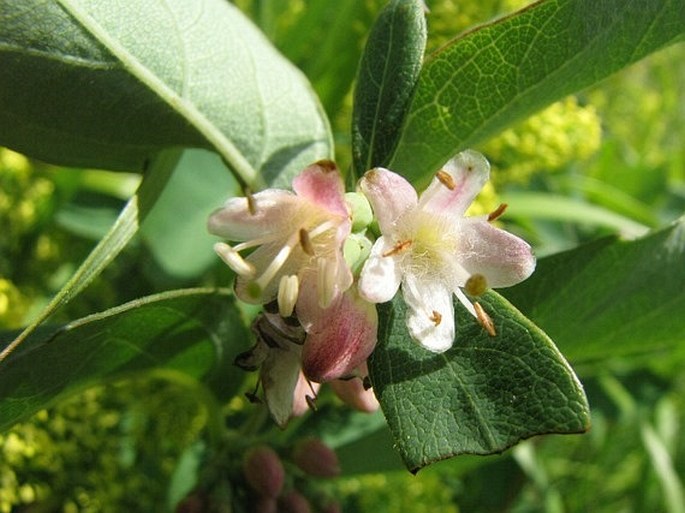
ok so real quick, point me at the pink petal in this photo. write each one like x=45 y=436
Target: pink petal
x=303 y=389
x=322 y=184
x=504 y=259
x=353 y=393
x=272 y=210
x=390 y=195
x=465 y=175
x=339 y=338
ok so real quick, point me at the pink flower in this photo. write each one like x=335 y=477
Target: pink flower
x=299 y=239
x=430 y=249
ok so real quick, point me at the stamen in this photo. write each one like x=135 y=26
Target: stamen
x=325 y=277
x=251 y=203
x=497 y=212
x=306 y=242
x=318 y=230
x=399 y=247
x=233 y=260
x=288 y=289
x=476 y=285
x=446 y=179
x=436 y=318
x=484 y=320
x=327 y=165
x=278 y=261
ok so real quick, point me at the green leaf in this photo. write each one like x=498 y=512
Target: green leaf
x=112 y=83
x=121 y=232
x=176 y=228
x=387 y=75
x=193 y=333
x=611 y=297
x=504 y=71
x=483 y=395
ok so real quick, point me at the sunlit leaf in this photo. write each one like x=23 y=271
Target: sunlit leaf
x=483 y=395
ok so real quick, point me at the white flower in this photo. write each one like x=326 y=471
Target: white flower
x=430 y=249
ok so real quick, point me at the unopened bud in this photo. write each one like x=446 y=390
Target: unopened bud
x=266 y=505
x=294 y=502
x=331 y=507
x=361 y=210
x=264 y=471
x=315 y=458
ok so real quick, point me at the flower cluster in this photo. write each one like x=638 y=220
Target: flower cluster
x=310 y=258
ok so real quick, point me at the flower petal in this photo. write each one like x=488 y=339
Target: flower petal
x=279 y=375
x=430 y=314
x=503 y=258
x=339 y=338
x=389 y=194
x=381 y=275
x=322 y=184
x=456 y=185
x=353 y=394
x=236 y=221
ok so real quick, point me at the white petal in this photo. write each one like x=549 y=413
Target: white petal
x=381 y=275
x=464 y=176
x=503 y=258
x=430 y=314
x=390 y=196
x=279 y=375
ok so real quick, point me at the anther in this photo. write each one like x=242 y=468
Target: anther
x=233 y=260
x=327 y=165
x=251 y=203
x=446 y=179
x=399 y=247
x=476 y=285
x=288 y=290
x=436 y=317
x=306 y=242
x=484 y=320
x=497 y=212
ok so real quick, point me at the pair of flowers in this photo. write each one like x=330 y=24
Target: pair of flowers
x=427 y=247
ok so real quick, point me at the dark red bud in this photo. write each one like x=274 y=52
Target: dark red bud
x=195 y=502
x=265 y=505
x=331 y=507
x=315 y=458
x=264 y=471
x=294 y=502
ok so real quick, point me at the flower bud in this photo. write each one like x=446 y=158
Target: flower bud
x=331 y=507
x=265 y=505
x=264 y=471
x=195 y=502
x=315 y=458
x=294 y=502
x=359 y=206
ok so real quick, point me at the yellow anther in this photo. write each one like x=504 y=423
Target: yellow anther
x=446 y=179
x=476 y=285
x=306 y=242
x=436 y=317
x=399 y=247
x=497 y=212
x=484 y=320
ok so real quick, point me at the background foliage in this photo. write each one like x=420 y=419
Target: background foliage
x=607 y=161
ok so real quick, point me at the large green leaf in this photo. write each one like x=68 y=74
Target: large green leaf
x=504 y=71
x=387 y=75
x=194 y=333
x=483 y=395
x=108 y=84
x=611 y=297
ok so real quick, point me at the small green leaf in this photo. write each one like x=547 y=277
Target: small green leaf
x=611 y=297
x=483 y=395
x=504 y=71
x=387 y=75
x=112 y=83
x=194 y=332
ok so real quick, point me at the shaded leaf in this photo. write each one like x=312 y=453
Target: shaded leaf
x=195 y=332
x=493 y=76
x=611 y=297
x=112 y=83
x=387 y=75
x=483 y=395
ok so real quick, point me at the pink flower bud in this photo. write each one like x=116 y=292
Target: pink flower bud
x=265 y=505
x=315 y=458
x=331 y=507
x=294 y=502
x=264 y=471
